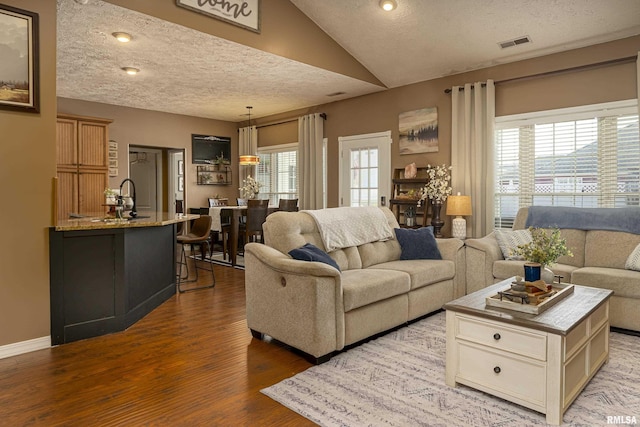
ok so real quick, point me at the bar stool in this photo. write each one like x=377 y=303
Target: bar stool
x=199 y=237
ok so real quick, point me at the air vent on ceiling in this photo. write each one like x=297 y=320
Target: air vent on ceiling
x=515 y=42
x=337 y=93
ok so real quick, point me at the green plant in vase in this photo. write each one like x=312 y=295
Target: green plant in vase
x=544 y=249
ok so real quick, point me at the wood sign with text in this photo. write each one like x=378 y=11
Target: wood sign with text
x=243 y=13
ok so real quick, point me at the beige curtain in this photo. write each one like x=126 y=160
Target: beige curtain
x=247 y=144
x=310 y=136
x=472 y=148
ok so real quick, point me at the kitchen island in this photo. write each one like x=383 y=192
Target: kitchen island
x=106 y=274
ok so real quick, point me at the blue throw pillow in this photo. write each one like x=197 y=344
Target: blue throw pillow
x=311 y=252
x=417 y=244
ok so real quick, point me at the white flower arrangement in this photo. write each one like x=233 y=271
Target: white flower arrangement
x=438 y=188
x=250 y=188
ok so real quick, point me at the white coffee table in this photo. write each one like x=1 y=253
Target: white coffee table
x=539 y=361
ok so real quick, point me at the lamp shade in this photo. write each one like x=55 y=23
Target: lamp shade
x=459 y=205
x=248 y=160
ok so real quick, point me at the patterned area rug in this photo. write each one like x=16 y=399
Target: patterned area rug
x=398 y=380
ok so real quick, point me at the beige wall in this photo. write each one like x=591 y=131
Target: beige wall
x=379 y=111
x=27 y=166
x=132 y=126
x=27 y=151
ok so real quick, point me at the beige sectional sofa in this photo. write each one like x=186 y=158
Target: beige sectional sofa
x=317 y=309
x=598 y=260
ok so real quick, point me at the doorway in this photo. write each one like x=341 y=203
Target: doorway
x=158 y=176
x=365 y=169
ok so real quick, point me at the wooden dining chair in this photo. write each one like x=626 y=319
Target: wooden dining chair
x=257 y=211
x=288 y=205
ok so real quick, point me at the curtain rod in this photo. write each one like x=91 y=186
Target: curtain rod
x=562 y=71
x=323 y=115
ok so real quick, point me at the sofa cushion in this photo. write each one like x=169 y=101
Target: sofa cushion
x=633 y=262
x=310 y=252
x=417 y=244
x=422 y=272
x=510 y=240
x=609 y=249
x=366 y=286
x=624 y=283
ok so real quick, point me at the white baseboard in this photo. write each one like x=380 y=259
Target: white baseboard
x=25 y=346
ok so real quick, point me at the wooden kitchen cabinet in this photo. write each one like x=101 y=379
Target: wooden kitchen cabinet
x=82 y=164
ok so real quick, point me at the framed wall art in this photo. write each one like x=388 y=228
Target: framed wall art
x=419 y=131
x=19 y=60
x=243 y=13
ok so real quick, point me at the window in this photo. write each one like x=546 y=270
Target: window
x=278 y=172
x=584 y=157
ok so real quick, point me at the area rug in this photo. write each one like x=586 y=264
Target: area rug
x=398 y=380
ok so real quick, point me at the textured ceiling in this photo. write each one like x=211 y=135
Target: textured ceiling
x=187 y=72
x=183 y=71
x=427 y=39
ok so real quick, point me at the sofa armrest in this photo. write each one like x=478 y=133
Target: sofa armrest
x=453 y=250
x=480 y=256
x=299 y=303
x=280 y=262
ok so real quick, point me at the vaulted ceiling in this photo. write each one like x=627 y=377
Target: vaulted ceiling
x=186 y=71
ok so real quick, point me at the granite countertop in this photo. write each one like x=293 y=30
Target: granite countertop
x=99 y=221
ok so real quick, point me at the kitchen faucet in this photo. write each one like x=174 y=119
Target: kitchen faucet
x=133 y=212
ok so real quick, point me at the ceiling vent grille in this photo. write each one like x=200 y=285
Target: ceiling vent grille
x=515 y=42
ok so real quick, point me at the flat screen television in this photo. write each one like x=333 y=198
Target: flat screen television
x=206 y=148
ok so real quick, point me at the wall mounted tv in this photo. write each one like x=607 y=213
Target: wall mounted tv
x=206 y=148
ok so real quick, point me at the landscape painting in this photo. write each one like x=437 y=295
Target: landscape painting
x=419 y=131
x=18 y=59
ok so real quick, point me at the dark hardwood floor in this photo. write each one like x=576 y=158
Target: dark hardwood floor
x=191 y=361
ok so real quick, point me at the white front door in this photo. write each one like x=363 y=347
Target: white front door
x=365 y=169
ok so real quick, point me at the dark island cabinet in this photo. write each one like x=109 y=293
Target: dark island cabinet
x=105 y=280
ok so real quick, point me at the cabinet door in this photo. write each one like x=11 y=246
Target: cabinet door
x=91 y=186
x=67 y=193
x=92 y=145
x=66 y=143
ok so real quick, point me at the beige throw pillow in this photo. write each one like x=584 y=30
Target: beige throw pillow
x=510 y=240
x=633 y=262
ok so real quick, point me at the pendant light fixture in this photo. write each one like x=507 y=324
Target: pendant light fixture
x=248 y=159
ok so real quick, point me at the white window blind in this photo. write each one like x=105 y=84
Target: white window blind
x=584 y=157
x=278 y=172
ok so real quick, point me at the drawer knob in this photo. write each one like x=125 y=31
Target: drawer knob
x=496 y=336
x=497 y=369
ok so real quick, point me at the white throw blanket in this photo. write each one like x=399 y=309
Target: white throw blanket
x=347 y=226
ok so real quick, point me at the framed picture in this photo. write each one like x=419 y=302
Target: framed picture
x=418 y=131
x=181 y=183
x=245 y=14
x=113 y=171
x=19 y=60
x=113 y=163
x=180 y=167
x=113 y=146
x=113 y=154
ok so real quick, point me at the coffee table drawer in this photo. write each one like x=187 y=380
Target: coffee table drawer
x=500 y=336
x=507 y=374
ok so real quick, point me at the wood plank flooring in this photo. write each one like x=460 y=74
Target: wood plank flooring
x=190 y=362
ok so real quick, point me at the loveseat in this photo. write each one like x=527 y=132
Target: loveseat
x=599 y=259
x=319 y=309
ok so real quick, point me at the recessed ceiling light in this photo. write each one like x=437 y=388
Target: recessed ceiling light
x=122 y=37
x=130 y=70
x=388 y=5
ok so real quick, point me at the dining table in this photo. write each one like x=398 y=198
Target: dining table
x=235 y=213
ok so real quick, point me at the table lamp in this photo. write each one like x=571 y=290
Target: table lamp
x=459 y=206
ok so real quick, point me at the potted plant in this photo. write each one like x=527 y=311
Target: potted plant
x=543 y=250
